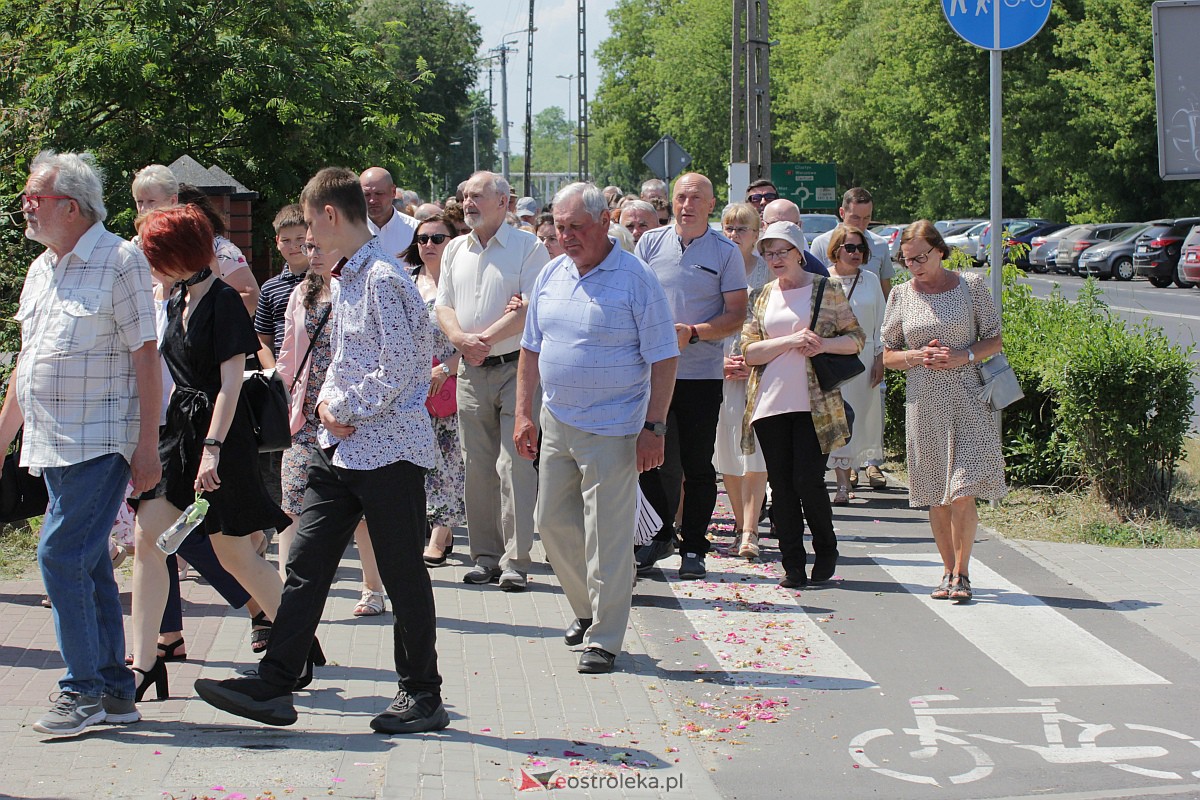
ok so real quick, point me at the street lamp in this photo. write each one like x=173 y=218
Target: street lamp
x=568 y=79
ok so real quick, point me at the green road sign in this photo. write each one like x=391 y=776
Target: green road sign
x=808 y=185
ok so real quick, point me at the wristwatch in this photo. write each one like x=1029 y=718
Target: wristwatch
x=695 y=336
x=657 y=428
x=445 y=370
x=970 y=356
x=213 y=443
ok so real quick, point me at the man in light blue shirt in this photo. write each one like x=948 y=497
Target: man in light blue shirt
x=856 y=210
x=600 y=338
x=704 y=276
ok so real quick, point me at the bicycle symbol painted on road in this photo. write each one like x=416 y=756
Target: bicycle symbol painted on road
x=963 y=761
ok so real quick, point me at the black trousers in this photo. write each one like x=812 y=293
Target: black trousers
x=796 y=471
x=691 y=436
x=392 y=498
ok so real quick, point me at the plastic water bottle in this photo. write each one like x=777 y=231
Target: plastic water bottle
x=170 y=539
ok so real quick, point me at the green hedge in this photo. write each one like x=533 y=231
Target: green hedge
x=1106 y=404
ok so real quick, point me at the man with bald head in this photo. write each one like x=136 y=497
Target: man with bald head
x=394 y=229
x=704 y=277
x=786 y=211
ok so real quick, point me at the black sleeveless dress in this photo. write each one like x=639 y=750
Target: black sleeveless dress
x=218 y=329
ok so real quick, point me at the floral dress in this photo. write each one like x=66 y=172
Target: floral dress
x=294 y=472
x=445 y=482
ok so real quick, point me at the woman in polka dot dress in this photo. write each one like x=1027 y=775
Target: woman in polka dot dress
x=938 y=327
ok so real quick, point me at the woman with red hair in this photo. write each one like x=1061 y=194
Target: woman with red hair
x=207 y=445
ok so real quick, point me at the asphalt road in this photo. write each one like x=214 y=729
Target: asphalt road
x=870 y=689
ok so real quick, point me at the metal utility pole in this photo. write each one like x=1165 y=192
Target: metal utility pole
x=504 y=51
x=568 y=79
x=475 y=138
x=750 y=109
x=581 y=135
x=529 y=103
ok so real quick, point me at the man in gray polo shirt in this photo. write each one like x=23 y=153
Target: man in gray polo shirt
x=856 y=210
x=704 y=277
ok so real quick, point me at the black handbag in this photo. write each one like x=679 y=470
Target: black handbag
x=269 y=410
x=21 y=495
x=832 y=369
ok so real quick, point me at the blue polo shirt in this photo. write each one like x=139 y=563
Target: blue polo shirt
x=596 y=337
x=695 y=280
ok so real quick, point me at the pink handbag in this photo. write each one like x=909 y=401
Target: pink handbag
x=445 y=402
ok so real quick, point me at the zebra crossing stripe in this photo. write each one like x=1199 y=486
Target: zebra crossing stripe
x=1035 y=643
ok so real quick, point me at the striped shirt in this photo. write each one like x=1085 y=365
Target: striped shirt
x=271 y=313
x=596 y=337
x=81 y=318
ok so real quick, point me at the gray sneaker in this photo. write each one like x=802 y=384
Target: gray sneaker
x=480 y=574
x=691 y=567
x=119 y=711
x=72 y=713
x=513 y=581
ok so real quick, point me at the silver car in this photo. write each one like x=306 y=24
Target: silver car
x=1042 y=249
x=968 y=241
x=1114 y=259
x=816 y=224
x=1071 y=247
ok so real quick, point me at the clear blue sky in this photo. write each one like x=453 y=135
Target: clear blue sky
x=554 y=52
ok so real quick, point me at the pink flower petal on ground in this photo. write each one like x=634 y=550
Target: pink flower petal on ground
x=486 y=730
x=235 y=796
x=217 y=788
x=339 y=780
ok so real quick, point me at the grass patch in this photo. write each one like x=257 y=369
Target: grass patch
x=1055 y=515
x=18 y=549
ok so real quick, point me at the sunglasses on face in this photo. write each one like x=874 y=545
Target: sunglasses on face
x=436 y=238
x=764 y=197
x=851 y=247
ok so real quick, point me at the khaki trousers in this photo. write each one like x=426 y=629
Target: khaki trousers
x=501 y=487
x=587 y=499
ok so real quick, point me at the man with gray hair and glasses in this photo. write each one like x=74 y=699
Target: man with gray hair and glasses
x=481 y=272
x=87 y=389
x=600 y=339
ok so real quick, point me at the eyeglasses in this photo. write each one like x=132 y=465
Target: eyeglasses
x=851 y=247
x=763 y=197
x=436 y=238
x=31 y=202
x=547 y=239
x=734 y=230
x=773 y=255
x=921 y=259
x=310 y=250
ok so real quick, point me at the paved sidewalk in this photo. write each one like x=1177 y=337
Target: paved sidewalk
x=515 y=699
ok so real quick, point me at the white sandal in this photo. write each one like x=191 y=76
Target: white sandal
x=371 y=604
x=749 y=547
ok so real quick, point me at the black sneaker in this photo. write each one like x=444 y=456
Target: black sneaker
x=649 y=554
x=691 y=567
x=252 y=698
x=412 y=714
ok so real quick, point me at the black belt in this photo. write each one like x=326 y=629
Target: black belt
x=492 y=361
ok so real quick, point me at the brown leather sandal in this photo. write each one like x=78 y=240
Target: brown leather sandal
x=942 y=592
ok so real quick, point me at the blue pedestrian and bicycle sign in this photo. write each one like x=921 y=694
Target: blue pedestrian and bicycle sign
x=996 y=24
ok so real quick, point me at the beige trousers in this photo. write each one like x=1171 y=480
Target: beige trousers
x=501 y=487
x=587 y=499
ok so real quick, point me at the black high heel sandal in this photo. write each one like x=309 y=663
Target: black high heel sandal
x=316 y=658
x=156 y=675
x=260 y=633
x=170 y=652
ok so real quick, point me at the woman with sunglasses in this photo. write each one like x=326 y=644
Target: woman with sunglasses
x=938 y=327
x=445 y=483
x=797 y=422
x=744 y=474
x=848 y=250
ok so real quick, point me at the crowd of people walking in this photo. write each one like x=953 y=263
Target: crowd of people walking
x=480 y=363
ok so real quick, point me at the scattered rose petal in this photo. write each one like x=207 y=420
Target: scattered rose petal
x=339 y=780
x=571 y=754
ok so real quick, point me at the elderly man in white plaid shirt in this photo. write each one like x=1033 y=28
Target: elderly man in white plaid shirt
x=87 y=388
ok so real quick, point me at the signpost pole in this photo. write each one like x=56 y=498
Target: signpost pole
x=666 y=163
x=997 y=148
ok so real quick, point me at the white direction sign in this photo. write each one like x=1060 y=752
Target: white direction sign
x=996 y=24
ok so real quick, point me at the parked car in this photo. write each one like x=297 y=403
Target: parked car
x=816 y=224
x=1022 y=231
x=948 y=226
x=1156 y=252
x=968 y=241
x=891 y=234
x=1044 y=247
x=1071 y=247
x=1189 y=262
x=1112 y=260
